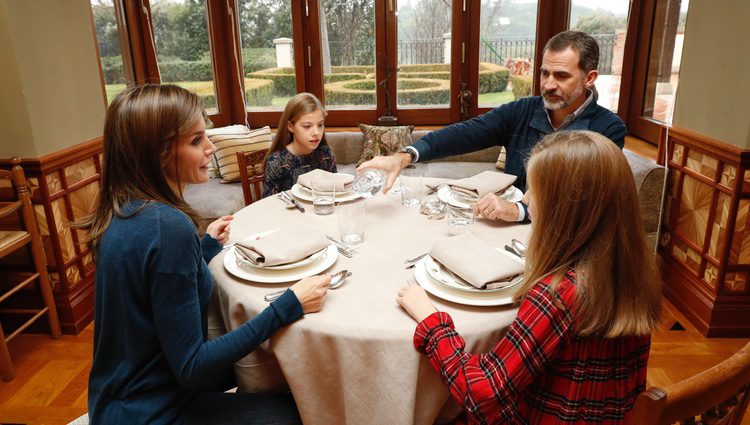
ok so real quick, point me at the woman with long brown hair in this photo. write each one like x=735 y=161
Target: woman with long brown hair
x=577 y=351
x=299 y=145
x=152 y=360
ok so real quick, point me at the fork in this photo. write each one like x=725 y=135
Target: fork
x=412 y=282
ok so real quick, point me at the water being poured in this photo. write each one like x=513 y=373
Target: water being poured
x=369 y=182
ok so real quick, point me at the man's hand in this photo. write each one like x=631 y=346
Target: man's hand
x=491 y=207
x=392 y=165
x=219 y=229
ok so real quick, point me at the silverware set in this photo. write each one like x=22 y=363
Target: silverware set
x=516 y=248
x=337 y=279
x=411 y=262
x=346 y=252
x=290 y=201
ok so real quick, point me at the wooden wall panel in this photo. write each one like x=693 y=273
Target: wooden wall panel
x=705 y=238
x=65 y=188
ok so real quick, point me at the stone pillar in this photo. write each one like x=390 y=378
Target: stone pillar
x=283 y=52
x=447 y=47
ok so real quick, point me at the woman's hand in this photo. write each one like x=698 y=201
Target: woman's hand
x=311 y=292
x=491 y=207
x=392 y=165
x=219 y=229
x=414 y=300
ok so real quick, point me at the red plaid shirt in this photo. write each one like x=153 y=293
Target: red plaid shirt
x=540 y=372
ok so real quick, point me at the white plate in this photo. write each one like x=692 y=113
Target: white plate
x=439 y=273
x=444 y=193
x=305 y=195
x=277 y=276
x=481 y=299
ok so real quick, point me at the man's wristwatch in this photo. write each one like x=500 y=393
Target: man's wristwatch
x=411 y=153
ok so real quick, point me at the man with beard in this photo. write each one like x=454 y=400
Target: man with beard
x=568 y=102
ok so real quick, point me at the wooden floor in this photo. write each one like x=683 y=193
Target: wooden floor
x=51 y=375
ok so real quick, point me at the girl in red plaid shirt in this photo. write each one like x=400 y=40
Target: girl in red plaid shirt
x=577 y=351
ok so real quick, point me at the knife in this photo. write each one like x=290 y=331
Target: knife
x=294 y=201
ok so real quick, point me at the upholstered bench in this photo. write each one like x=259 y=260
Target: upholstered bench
x=214 y=199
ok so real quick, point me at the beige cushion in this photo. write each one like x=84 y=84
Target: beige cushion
x=500 y=164
x=227 y=146
x=384 y=140
x=213 y=166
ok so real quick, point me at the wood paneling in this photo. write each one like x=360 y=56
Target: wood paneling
x=65 y=188
x=705 y=237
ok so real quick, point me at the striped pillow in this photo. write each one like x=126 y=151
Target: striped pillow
x=227 y=146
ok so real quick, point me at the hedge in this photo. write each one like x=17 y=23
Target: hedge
x=256 y=59
x=284 y=80
x=492 y=78
x=180 y=70
x=257 y=92
x=522 y=85
x=410 y=92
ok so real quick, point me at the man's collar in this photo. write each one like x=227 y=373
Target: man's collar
x=591 y=96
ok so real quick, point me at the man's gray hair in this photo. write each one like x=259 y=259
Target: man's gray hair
x=584 y=44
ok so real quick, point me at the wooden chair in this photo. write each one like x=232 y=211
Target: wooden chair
x=21 y=235
x=252 y=173
x=716 y=396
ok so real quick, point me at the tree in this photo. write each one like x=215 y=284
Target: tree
x=599 y=22
x=350 y=29
x=262 y=21
x=106 y=28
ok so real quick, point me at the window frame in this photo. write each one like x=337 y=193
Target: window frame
x=140 y=62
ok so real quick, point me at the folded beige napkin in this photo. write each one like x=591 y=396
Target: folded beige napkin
x=482 y=184
x=283 y=246
x=475 y=261
x=331 y=181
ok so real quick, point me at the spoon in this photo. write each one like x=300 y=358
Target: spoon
x=337 y=279
x=519 y=246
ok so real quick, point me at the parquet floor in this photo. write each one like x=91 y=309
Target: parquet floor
x=51 y=375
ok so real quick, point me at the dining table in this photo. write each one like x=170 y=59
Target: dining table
x=354 y=361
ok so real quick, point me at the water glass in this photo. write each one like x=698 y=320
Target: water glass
x=369 y=182
x=323 y=195
x=460 y=219
x=352 y=222
x=410 y=182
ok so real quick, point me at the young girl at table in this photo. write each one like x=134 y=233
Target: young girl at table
x=299 y=145
x=152 y=360
x=577 y=351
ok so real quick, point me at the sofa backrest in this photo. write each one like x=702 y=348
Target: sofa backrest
x=347 y=146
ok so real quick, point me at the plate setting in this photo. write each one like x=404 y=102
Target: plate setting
x=460 y=295
x=309 y=266
x=304 y=194
x=445 y=194
x=438 y=272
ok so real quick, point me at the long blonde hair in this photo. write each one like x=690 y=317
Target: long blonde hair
x=301 y=104
x=141 y=127
x=587 y=219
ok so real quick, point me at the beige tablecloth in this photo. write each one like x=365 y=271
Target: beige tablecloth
x=354 y=362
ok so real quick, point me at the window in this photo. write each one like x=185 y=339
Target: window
x=422 y=62
x=607 y=22
x=507 y=44
x=183 y=50
x=108 y=38
x=347 y=40
x=664 y=62
x=267 y=53
x=424 y=53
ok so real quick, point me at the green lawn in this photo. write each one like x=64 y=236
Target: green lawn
x=494 y=99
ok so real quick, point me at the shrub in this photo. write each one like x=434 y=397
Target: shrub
x=357 y=69
x=256 y=59
x=180 y=70
x=284 y=80
x=410 y=91
x=332 y=78
x=112 y=70
x=258 y=92
x=522 y=85
x=437 y=75
x=492 y=78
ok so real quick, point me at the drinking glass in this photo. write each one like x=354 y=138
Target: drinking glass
x=410 y=182
x=369 y=182
x=352 y=216
x=460 y=219
x=323 y=195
